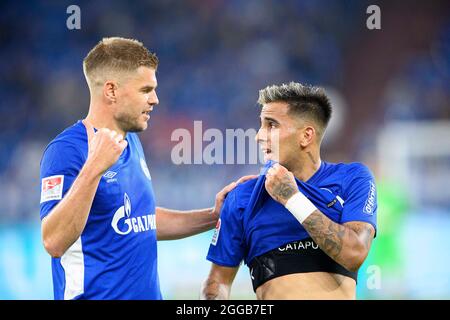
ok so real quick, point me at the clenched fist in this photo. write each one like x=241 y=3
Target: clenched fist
x=105 y=147
x=280 y=183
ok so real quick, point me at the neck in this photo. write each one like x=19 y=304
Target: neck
x=307 y=165
x=100 y=117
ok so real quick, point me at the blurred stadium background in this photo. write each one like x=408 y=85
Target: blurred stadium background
x=390 y=88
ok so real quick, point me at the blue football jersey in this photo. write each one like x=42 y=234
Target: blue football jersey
x=116 y=255
x=252 y=223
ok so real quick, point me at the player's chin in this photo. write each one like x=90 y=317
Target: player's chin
x=143 y=124
x=138 y=127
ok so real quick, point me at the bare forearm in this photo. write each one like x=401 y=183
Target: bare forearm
x=214 y=290
x=338 y=241
x=175 y=224
x=67 y=220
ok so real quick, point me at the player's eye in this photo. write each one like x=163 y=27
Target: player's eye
x=147 y=90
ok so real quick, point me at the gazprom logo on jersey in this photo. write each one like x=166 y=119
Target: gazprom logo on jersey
x=123 y=224
x=371 y=199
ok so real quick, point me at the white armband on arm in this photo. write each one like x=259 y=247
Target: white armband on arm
x=300 y=206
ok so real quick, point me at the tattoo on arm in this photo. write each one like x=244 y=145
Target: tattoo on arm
x=364 y=231
x=211 y=290
x=336 y=240
x=327 y=234
x=285 y=189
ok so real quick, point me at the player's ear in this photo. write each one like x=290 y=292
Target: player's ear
x=307 y=135
x=110 y=91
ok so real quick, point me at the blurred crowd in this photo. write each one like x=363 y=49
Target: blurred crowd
x=214 y=57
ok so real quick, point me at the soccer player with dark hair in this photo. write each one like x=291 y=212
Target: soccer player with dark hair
x=99 y=219
x=305 y=226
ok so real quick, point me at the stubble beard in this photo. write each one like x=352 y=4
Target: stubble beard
x=128 y=123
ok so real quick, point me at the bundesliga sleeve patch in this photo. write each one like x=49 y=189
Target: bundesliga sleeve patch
x=52 y=188
x=216 y=233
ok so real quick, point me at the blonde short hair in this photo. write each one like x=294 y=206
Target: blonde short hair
x=115 y=54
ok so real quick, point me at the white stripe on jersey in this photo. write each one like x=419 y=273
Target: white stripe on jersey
x=73 y=263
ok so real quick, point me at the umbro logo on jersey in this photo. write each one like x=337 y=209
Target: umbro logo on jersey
x=110 y=174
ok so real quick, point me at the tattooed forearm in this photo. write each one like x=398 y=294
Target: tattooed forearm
x=327 y=234
x=348 y=245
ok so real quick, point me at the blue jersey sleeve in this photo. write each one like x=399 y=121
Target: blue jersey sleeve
x=60 y=166
x=360 y=196
x=227 y=246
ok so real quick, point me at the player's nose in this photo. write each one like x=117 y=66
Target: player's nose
x=261 y=135
x=153 y=100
